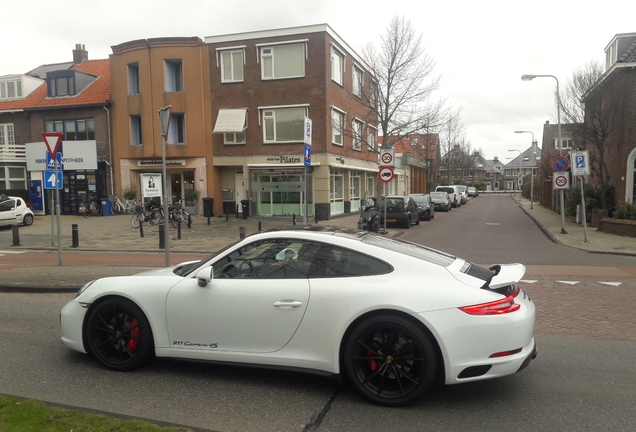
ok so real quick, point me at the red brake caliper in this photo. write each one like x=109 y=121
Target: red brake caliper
x=372 y=363
x=135 y=333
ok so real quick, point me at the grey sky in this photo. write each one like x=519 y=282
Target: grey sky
x=481 y=48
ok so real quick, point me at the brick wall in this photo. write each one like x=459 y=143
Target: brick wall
x=618 y=226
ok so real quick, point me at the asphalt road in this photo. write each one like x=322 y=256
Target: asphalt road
x=576 y=383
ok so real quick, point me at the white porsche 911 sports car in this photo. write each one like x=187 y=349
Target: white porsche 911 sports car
x=389 y=315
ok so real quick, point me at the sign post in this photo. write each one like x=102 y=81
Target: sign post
x=53 y=141
x=581 y=167
x=164 y=121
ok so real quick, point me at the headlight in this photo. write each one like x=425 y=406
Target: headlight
x=84 y=288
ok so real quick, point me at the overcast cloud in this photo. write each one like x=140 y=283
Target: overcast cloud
x=481 y=48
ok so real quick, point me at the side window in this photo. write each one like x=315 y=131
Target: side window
x=6 y=205
x=332 y=261
x=270 y=259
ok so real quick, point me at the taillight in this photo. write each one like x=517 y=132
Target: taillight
x=499 y=307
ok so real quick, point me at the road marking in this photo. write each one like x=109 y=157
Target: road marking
x=11 y=252
x=568 y=282
x=614 y=284
x=492 y=223
x=528 y=281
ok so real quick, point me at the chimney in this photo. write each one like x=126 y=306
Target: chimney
x=79 y=54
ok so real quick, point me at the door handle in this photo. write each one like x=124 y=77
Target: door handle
x=287 y=304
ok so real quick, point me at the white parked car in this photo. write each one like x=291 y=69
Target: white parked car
x=388 y=314
x=14 y=211
x=463 y=193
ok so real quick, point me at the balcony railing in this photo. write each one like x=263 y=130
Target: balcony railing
x=13 y=153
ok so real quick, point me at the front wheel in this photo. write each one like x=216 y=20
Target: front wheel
x=118 y=335
x=87 y=210
x=131 y=207
x=156 y=216
x=408 y=222
x=390 y=360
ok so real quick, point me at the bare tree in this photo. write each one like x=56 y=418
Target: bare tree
x=403 y=94
x=581 y=81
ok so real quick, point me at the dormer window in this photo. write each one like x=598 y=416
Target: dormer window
x=11 y=89
x=67 y=82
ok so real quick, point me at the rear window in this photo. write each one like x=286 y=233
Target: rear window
x=411 y=249
x=450 y=190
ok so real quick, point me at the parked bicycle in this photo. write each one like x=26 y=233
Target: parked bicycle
x=152 y=216
x=90 y=208
x=178 y=214
x=119 y=207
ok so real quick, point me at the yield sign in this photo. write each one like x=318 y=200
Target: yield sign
x=52 y=141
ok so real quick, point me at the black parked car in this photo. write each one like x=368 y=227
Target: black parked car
x=400 y=210
x=424 y=203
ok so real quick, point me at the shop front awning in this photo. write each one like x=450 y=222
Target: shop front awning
x=231 y=120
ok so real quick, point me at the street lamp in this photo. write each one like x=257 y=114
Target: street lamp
x=561 y=199
x=534 y=159
x=520 y=158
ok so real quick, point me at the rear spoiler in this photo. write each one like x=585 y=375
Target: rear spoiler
x=506 y=274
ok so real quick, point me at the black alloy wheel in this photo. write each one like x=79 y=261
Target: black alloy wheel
x=118 y=335
x=390 y=360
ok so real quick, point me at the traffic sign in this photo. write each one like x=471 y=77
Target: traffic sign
x=307 y=138
x=386 y=174
x=560 y=163
x=387 y=157
x=52 y=141
x=50 y=165
x=561 y=180
x=307 y=155
x=49 y=180
x=581 y=162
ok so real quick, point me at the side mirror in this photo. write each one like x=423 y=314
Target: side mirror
x=205 y=276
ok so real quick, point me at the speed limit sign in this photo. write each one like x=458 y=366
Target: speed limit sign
x=386 y=157
x=561 y=180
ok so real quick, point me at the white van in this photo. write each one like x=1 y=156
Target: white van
x=453 y=193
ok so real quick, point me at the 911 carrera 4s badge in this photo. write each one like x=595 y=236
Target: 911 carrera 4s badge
x=195 y=344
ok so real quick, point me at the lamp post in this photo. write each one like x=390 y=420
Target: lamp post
x=534 y=159
x=561 y=199
x=520 y=158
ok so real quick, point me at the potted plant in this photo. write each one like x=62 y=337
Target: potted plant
x=130 y=193
x=190 y=197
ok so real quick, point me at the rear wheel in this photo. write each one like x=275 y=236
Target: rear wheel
x=137 y=219
x=118 y=335
x=390 y=360
x=27 y=220
x=156 y=215
x=408 y=222
x=131 y=207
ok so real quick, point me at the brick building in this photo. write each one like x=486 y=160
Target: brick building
x=263 y=85
x=71 y=98
x=147 y=75
x=610 y=115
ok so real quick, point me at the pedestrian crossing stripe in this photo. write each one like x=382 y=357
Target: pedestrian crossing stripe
x=528 y=281
x=568 y=282
x=614 y=284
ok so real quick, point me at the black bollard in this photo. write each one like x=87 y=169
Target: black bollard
x=294 y=219
x=189 y=222
x=208 y=220
x=241 y=232
x=16 y=235
x=227 y=216
x=260 y=228
x=75 y=234
x=237 y=211
x=141 y=229
x=162 y=240
x=178 y=230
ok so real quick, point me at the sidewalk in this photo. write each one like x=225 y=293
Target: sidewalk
x=597 y=241
x=114 y=236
